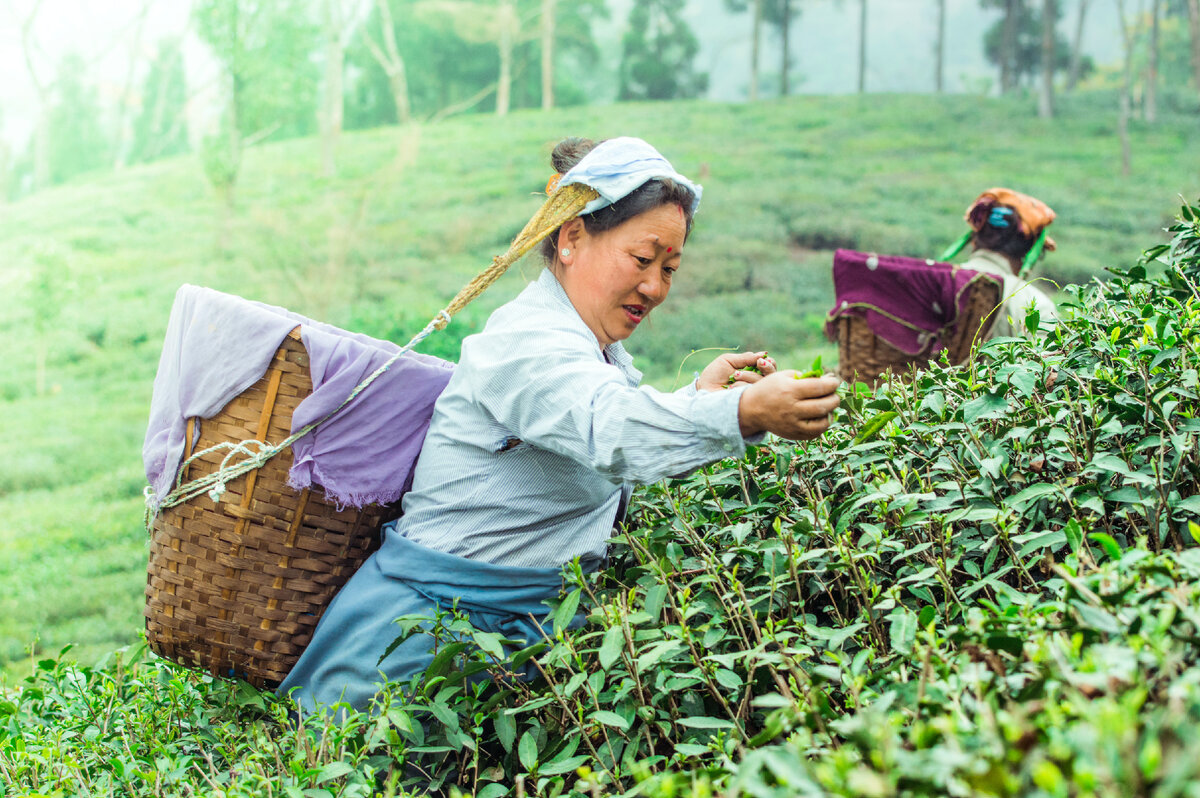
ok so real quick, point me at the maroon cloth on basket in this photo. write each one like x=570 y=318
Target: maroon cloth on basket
x=908 y=302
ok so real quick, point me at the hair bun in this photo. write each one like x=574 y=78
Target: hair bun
x=569 y=152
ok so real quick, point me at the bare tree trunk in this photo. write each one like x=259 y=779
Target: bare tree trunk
x=1152 y=65
x=785 y=29
x=332 y=113
x=388 y=57
x=1008 y=49
x=939 y=52
x=548 y=8
x=41 y=130
x=755 y=35
x=1126 y=91
x=1077 y=47
x=1046 y=95
x=862 y=46
x=1193 y=9
x=122 y=143
x=508 y=22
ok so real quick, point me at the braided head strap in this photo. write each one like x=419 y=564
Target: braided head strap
x=563 y=205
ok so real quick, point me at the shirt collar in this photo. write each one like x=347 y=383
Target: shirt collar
x=995 y=259
x=615 y=351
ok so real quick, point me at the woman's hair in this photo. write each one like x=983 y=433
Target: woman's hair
x=646 y=197
x=998 y=230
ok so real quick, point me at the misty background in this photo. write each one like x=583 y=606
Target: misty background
x=113 y=45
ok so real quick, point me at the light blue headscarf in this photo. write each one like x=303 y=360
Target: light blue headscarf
x=617 y=167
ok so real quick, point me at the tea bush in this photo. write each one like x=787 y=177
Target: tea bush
x=977 y=583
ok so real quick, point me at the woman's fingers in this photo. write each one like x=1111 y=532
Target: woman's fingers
x=818 y=406
x=815 y=386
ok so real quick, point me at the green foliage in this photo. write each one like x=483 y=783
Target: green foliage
x=444 y=69
x=266 y=48
x=417 y=212
x=658 y=52
x=158 y=129
x=75 y=139
x=1025 y=60
x=975 y=584
x=139 y=728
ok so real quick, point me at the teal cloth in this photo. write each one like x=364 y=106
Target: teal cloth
x=342 y=663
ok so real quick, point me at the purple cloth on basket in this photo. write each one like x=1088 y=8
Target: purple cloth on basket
x=218 y=345
x=908 y=302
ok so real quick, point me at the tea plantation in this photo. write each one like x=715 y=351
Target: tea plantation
x=979 y=582
x=989 y=594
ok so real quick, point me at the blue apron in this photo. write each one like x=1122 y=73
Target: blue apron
x=342 y=664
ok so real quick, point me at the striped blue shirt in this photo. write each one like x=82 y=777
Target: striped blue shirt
x=540 y=436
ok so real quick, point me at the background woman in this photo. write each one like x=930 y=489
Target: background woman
x=1008 y=233
x=536 y=443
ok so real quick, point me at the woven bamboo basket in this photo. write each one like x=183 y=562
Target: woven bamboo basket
x=864 y=357
x=236 y=587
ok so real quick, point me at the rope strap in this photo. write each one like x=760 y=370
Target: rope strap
x=560 y=207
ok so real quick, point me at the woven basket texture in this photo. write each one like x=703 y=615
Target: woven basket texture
x=236 y=587
x=864 y=357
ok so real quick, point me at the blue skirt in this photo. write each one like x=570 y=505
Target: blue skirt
x=342 y=663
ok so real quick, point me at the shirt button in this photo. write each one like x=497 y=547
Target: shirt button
x=729 y=447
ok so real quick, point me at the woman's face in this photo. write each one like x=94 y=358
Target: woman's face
x=615 y=278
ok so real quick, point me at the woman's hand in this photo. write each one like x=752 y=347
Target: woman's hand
x=718 y=374
x=793 y=408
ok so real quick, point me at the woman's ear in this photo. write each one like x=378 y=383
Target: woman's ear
x=569 y=237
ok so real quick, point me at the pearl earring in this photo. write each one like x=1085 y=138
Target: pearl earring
x=566 y=252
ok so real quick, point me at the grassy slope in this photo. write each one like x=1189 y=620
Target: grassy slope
x=413 y=214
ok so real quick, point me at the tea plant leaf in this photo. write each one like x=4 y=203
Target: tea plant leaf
x=610 y=649
x=703 y=722
x=565 y=613
x=989 y=405
x=333 y=771
x=527 y=750
x=903 y=631
x=493 y=790
x=568 y=765
x=610 y=719
x=1031 y=494
x=506 y=729
x=1107 y=543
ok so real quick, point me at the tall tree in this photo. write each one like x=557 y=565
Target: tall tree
x=75 y=137
x=158 y=129
x=265 y=49
x=1009 y=55
x=1016 y=42
x=387 y=55
x=43 y=89
x=496 y=23
x=1126 y=100
x=939 y=49
x=338 y=27
x=658 y=53
x=862 y=46
x=124 y=132
x=1046 y=95
x=1077 y=47
x=780 y=14
x=1151 y=96
x=1193 y=13
x=755 y=7
x=548 y=20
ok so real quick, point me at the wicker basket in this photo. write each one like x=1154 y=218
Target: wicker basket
x=864 y=357
x=237 y=587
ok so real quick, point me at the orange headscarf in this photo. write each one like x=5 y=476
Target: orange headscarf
x=1032 y=212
